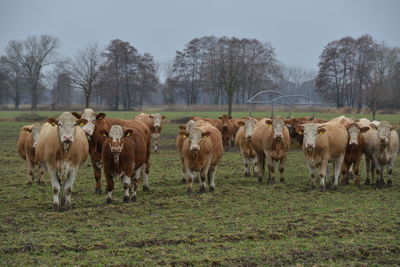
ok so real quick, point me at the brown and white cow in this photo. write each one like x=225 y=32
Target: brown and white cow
x=27 y=141
x=97 y=123
x=124 y=157
x=293 y=125
x=243 y=141
x=271 y=141
x=202 y=151
x=354 y=150
x=323 y=143
x=381 y=148
x=64 y=148
x=153 y=121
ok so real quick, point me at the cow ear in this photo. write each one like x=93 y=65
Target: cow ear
x=183 y=133
x=240 y=123
x=128 y=132
x=100 y=116
x=321 y=130
x=230 y=117
x=206 y=134
x=287 y=121
x=393 y=127
x=163 y=117
x=373 y=126
x=52 y=121
x=151 y=116
x=76 y=115
x=300 y=129
x=182 y=127
x=364 y=129
x=81 y=122
x=268 y=122
x=104 y=133
x=220 y=118
x=27 y=129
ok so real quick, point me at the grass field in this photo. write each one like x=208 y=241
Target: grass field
x=241 y=223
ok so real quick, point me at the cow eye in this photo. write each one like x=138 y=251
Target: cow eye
x=59 y=124
x=93 y=121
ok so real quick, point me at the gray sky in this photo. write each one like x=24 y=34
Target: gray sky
x=298 y=30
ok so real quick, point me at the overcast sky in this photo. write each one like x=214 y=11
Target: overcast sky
x=297 y=29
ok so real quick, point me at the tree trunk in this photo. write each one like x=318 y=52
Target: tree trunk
x=34 y=97
x=230 y=99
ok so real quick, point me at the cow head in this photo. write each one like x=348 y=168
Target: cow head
x=354 y=131
x=91 y=117
x=384 y=132
x=115 y=139
x=310 y=132
x=195 y=136
x=66 y=125
x=249 y=125
x=156 y=121
x=35 y=131
x=277 y=125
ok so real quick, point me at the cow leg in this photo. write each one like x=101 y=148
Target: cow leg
x=127 y=184
x=30 y=169
x=390 y=171
x=344 y=173
x=261 y=164
x=110 y=188
x=368 y=167
x=246 y=162
x=203 y=178
x=41 y=173
x=68 y=188
x=211 y=178
x=134 y=187
x=55 y=185
x=255 y=168
x=282 y=164
x=356 y=171
x=189 y=180
x=145 y=176
x=322 y=173
x=337 y=167
x=183 y=180
x=97 y=175
x=312 y=175
x=271 y=169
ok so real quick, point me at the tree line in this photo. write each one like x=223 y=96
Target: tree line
x=223 y=71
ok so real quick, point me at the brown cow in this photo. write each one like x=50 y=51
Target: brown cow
x=224 y=125
x=271 y=141
x=324 y=143
x=202 y=151
x=243 y=141
x=98 y=123
x=27 y=141
x=64 y=148
x=354 y=150
x=124 y=156
x=152 y=121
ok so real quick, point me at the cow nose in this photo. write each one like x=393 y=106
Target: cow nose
x=195 y=147
x=126 y=185
x=353 y=142
x=67 y=139
x=248 y=138
x=278 y=136
x=383 y=140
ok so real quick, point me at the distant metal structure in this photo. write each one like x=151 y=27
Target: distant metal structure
x=280 y=96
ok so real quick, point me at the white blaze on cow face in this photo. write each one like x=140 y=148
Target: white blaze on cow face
x=190 y=125
x=384 y=132
x=115 y=135
x=311 y=132
x=249 y=125
x=277 y=125
x=90 y=116
x=66 y=124
x=354 y=130
x=195 y=137
x=157 y=120
x=35 y=134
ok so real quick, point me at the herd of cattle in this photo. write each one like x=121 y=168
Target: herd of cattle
x=122 y=149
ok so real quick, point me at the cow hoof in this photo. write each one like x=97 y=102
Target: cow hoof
x=109 y=200
x=282 y=180
x=272 y=181
x=133 y=198
x=42 y=183
x=29 y=183
x=126 y=199
x=367 y=182
x=246 y=174
x=255 y=174
x=146 y=188
x=334 y=186
x=67 y=206
x=183 y=181
x=389 y=182
x=260 y=180
x=202 y=189
x=212 y=189
x=56 y=207
x=189 y=191
x=98 y=191
x=322 y=188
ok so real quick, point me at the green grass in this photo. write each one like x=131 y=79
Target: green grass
x=241 y=223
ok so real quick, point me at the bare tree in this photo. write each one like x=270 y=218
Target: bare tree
x=85 y=69
x=32 y=55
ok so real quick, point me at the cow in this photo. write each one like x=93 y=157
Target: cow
x=27 y=141
x=323 y=143
x=97 y=123
x=224 y=125
x=243 y=141
x=354 y=150
x=153 y=121
x=124 y=157
x=64 y=148
x=202 y=151
x=271 y=141
x=293 y=125
x=381 y=148
x=237 y=123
